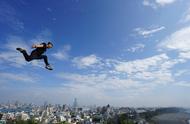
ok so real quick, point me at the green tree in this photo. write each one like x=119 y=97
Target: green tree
x=123 y=119
x=64 y=122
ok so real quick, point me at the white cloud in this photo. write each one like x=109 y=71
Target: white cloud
x=149 y=3
x=165 y=2
x=186 y=16
x=184 y=55
x=86 y=79
x=87 y=61
x=118 y=80
x=12 y=58
x=137 y=47
x=17 y=77
x=142 y=65
x=62 y=54
x=156 y=69
x=14 y=42
x=183 y=84
x=179 y=41
x=130 y=78
x=102 y=83
x=157 y=77
x=157 y=3
x=148 y=32
x=181 y=72
x=104 y=86
x=99 y=81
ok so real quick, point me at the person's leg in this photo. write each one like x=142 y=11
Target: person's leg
x=26 y=56
x=45 y=59
x=35 y=55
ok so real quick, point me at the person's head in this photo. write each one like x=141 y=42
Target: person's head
x=49 y=45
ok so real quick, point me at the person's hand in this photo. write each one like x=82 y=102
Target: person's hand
x=33 y=46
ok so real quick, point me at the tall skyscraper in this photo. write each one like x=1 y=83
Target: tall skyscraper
x=75 y=104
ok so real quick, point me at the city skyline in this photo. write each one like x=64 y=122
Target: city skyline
x=123 y=53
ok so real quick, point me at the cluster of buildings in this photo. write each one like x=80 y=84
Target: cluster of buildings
x=55 y=114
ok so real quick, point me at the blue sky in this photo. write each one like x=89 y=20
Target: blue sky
x=121 y=52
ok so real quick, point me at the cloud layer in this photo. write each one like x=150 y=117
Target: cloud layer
x=86 y=61
x=148 y=32
x=157 y=3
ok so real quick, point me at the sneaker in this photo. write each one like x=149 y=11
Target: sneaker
x=49 y=67
x=20 y=49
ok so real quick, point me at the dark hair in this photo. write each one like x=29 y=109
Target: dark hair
x=50 y=43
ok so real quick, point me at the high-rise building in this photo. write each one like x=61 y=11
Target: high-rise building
x=75 y=104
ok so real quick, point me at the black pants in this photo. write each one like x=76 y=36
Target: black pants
x=35 y=55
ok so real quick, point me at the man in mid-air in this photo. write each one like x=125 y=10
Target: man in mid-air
x=37 y=53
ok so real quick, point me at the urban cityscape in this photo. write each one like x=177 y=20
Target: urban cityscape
x=24 y=113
